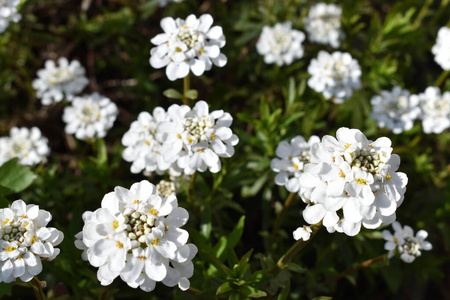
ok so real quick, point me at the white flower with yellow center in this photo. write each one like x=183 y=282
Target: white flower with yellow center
x=334 y=75
x=8 y=13
x=90 y=116
x=323 y=24
x=136 y=235
x=56 y=82
x=280 y=44
x=435 y=108
x=25 y=241
x=441 y=49
x=188 y=45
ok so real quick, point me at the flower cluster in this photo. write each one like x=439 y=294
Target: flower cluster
x=25 y=240
x=334 y=75
x=55 y=82
x=90 y=116
x=190 y=44
x=293 y=157
x=355 y=174
x=395 y=110
x=166 y=188
x=405 y=243
x=136 y=235
x=280 y=44
x=323 y=24
x=441 y=49
x=28 y=145
x=183 y=139
x=435 y=109
x=8 y=13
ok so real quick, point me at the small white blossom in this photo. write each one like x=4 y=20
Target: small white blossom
x=323 y=24
x=90 y=116
x=356 y=175
x=136 y=235
x=405 y=243
x=334 y=75
x=280 y=44
x=28 y=145
x=25 y=241
x=188 y=45
x=292 y=158
x=55 y=82
x=441 y=49
x=303 y=233
x=435 y=107
x=166 y=188
x=8 y=13
x=163 y=3
x=395 y=110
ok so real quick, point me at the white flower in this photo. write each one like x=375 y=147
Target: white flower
x=405 y=243
x=441 y=49
x=280 y=44
x=136 y=235
x=303 y=233
x=435 y=109
x=395 y=110
x=25 y=241
x=163 y=3
x=334 y=75
x=28 y=145
x=8 y=13
x=190 y=44
x=55 y=82
x=355 y=174
x=292 y=158
x=323 y=24
x=90 y=116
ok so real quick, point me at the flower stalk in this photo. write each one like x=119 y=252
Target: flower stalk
x=37 y=286
x=442 y=78
x=190 y=197
x=186 y=88
x=280 y=217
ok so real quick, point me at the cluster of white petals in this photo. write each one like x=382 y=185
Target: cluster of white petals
x=280 y=44
x=405 y=243
x=183 y=139
x=188 y=45
x=302 y=233
x=356 y=175
x=166 y=188
x=395 y=110
x=8 y=13
x=334 y=75
x=54 y=82
x=136 y=235
x=28 y=145
x=292 y=157
x=441 y=49
x=25 y=240
x=435 y=109
x=323 y=24
x=90 y=116
x=163 y=3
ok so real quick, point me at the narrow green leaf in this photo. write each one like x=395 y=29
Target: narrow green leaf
x=15 y=176
x=219 y=248
x=252 y=292
x=173 y=94
x=284 y=292
x=192 y=94
x=212 y=259
x=224 y=288
x=236 y=234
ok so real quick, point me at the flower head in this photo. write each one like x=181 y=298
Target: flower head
x=302 y=233
x=55 y=82
x=8 y=13
x=441 y=49
x=25 y=241
x=334 y=75
x=395 y=110
x=188 y=45
x=323 y=24
x=355 y=174
x=136 y=235
x=280 y=44
x=90 y=116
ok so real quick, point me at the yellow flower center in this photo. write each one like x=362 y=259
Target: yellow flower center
x=6 y=221
x=155 y=242
x=361 y=181
x=388 y=176
x=153 y=211
x=10 y=249
x=119 y=245
x=115 y=224
x=34 y=239
x=295 y=166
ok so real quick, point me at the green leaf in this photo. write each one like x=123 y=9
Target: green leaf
x=212 y=259
x=4 y=202
x=251 y=292
x=224 y=288
x=323 y=298
x=192 y=94
x=15 y=177
x=284 y=292
x=173 y=94
x=236 y=234
x=219 y=248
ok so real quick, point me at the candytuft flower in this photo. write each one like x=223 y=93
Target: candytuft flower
x=405 y=243
x=136 y=235
x=280 y=44
x=25 y=241
x=90 y=116
x=334 y=75
x=441 y=49
x=8 y=13
x=303 y=233
x=56 y=82
x=355 y=174
x=323 y=24
x=188 y=45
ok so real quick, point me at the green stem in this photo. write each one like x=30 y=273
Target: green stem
x=186 y=88
x=37 y=288
x=422 y=13
x=280 y=217
x=359 y=266
x=299 y=245
x=442 y=78
x=190 y=197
